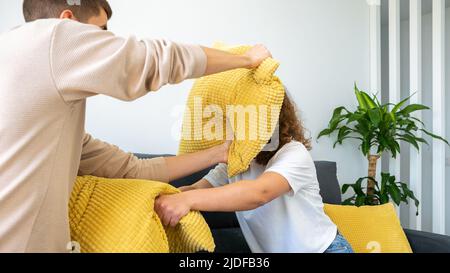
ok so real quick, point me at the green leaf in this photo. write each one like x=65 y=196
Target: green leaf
x=397 y=108
x=336 y=119
x=358 y=187
x=344 y=131
x=400 y=104
x=375 y=117
x=365 y=147
x=360 y=201
x=413 y=108
x=418 y=120
x=325 y=132
x=410 y=140
x=354 y=117
x=360 y=98
x=434 y=136
x=334 y=122
x=349 y=202
x=337 y=113
x=421 y=140
x=369 y=101
x=345 y=188
x=384 y=180
x=384 y=199
x=393 y=147
x=377 y=101
x=409 y=193
x=395 y=194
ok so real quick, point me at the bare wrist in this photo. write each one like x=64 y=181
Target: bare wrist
x=189 y=201
x=217 y=155
x=187 y=188
x=247 y=62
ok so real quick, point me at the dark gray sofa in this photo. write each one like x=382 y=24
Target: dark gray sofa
x=229 y=238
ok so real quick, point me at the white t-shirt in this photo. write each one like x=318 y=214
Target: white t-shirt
x=292 y=223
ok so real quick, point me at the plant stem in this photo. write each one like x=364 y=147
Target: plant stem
x=373 y=159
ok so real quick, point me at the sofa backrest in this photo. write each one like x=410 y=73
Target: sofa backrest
x=329 y=185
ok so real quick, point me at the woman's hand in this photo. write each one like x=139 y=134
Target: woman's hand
x=171 y=208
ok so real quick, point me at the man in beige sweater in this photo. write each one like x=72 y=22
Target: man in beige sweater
x=49 y=67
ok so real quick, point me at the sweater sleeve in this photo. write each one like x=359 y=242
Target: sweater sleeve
x=87 y=61
x=101 y=159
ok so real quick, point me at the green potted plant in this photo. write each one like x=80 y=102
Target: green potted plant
x=379 y=128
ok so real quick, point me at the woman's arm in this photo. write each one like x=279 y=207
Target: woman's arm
x=240 y=196
x=184 y=165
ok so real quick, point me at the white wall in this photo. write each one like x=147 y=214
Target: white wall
x=321 y=44
x=10 y=14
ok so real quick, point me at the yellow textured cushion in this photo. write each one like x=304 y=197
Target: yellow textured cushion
x=116 y=215
x=370 y=229
x=204 y=127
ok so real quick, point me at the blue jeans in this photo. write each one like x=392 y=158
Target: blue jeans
x=339 y=245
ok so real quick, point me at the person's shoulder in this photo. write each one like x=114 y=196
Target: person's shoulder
x=37 y=26
x=293 y=146
x=292 y=151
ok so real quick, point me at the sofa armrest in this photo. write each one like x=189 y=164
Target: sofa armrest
x=425 y=242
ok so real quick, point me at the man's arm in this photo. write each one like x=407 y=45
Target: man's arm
x=86 y=61
x=201 y=184
x=185 y=165
x=105 y=160
x=219 y=61
x=101 y=159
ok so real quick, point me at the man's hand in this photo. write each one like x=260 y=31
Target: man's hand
x=171 y=208
x=220 y=61
x=257 y=55
x=223 y=151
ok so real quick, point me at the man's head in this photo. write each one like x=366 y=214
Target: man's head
x=95 y=12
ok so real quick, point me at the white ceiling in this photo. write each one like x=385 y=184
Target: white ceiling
x=427 y=7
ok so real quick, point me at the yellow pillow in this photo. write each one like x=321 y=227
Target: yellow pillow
x=116 y=216
x=370 y=229
x=216 y=97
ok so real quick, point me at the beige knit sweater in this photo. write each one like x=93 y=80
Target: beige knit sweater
x=47 y=70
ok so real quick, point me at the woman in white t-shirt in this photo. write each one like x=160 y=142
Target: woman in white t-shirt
x=277 y=201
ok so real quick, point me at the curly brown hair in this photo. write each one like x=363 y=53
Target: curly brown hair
x=291 y=129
